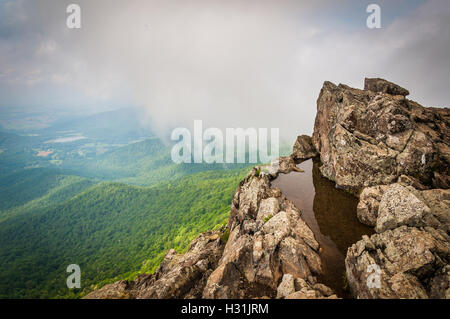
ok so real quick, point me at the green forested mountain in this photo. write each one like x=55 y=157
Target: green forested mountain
x=110 y=230
x=85 y=192
x=141 y=163
x=38 y=187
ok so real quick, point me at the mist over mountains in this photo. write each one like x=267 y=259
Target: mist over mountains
x=230 y=64
x=87 y=115
x=92 y=188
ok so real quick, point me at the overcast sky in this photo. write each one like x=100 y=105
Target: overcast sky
x=229 y=63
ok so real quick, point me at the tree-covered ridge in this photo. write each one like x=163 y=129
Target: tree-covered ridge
x=111 y=230
x=27 y=190
x=112 y=204
x=142 y=163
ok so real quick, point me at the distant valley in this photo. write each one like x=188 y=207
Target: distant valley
x=101 y=192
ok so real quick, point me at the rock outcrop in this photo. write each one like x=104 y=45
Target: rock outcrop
x=389 y=151
x=373 y=136
x=268 y=242
x=178 y=276
x=383 y=86
x=411 y=253
x=406 y=262
x=266 y=251
x=407 y=199
x=303 y=148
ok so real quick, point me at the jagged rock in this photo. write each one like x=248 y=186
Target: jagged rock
x=381 y=85
x=440 y=284
x=439 y=202
x=372 y=137
x=309 y=294
x=302 y=230
x=292 y=259
x=286 y=286
x=278 y=226
x=254 y=262
x=410 y=181
x=404 y=205
x=412 y=262
x=268 y=240
x=300 y=283
x=284 y=164
x=369 y=202
x=303 y=290
x=269 y=207
x=117 y=290
x=407 y=261
x=303 y=148
x=298 y=288
x=179 y=276
x=324 y=290
x=390 y=151
x=287 y=165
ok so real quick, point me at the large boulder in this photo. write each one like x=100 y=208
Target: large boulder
x=269 y=247
x=372 y=137
x=406 y=262
x=369 y=204
x=391 y=206
x=399 y=206
x=409 y=257
x=303 y=148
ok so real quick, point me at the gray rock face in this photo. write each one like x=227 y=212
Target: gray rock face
x=269 y=248
x=394 y=154
x=406 y=262
x=390 y=206
x=372 y=137
x=303 y=148
x=286 y=286
x=284 y=164
x=410 y=255
x=383 y=86
x=117 y=290
x=369 y=203
x=398 y=206
x=302 y=290
x=268 y=208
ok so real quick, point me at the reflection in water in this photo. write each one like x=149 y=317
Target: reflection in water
x=331 y=215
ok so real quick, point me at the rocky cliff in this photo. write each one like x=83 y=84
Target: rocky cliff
x=390 y=152
x=373 y=136
x=266 y=251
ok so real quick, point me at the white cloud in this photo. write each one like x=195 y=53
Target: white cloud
x=234 y=63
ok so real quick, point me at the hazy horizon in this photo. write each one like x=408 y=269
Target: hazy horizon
x=230 y=64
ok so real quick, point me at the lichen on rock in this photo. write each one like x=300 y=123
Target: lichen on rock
x=372 y=137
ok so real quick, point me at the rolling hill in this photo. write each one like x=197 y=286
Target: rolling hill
x=112 y=230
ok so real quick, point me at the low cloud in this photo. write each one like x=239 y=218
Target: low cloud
x=228 y=63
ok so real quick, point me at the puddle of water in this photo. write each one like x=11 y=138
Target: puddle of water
x=331 y=215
